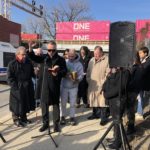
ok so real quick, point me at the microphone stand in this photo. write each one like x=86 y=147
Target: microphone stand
x=49 y=133
x=1 y=136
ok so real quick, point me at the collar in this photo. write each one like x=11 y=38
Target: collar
x=144 y=60
x=19 y=60
x=102 y=58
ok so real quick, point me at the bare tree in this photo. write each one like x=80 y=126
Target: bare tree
x=70 y=10
x=33 y=25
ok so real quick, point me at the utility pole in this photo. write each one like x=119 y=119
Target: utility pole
x=5 y=7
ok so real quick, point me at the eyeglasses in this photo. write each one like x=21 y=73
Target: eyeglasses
x=51 y=50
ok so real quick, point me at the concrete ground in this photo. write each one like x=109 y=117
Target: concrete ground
x=83 y=136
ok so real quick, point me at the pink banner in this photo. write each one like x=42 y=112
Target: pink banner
x=141 y=24
x=83 y=27
x=142 y=29
x=83 y=37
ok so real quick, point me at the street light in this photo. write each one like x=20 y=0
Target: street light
x=33 y=5
x=41 y=10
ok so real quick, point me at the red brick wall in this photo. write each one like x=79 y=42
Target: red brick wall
x=7 y=28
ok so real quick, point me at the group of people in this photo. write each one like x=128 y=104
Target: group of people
x=121 y=90
x=71 y=78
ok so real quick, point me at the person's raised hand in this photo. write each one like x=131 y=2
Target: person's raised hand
x=31 y=44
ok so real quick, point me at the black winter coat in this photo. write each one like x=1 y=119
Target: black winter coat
x=50 y=89
x=146 y=75
x=39 y=80
x=19 y=77
x=112 y=86
x=135 y=84
x=85 y=62
x=83 y=85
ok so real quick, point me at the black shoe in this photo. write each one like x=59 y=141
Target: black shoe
x=93 y=117
x=86 y=106
x=16 y=122
x=103 y=122
x=115 y=145
x=43 y=128
x=63 y=121
x=27 y=121
x=107 y=114
x=110 y=140
x=78 y=106
x=73 y=121
x=57 y=128
x=19 y=123
x=130 y=129
x=22 y=124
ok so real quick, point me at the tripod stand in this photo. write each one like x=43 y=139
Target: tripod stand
x=49 y=133
x=117 y=109
x=1 y=136
x=123 y=137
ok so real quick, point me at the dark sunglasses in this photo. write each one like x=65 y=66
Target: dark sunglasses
x=51 y=50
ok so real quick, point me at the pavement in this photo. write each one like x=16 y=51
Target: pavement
x=84 y=135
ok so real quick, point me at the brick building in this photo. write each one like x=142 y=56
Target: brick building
x=10 y=31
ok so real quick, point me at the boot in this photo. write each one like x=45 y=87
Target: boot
x=57 y=127
x=104 y=119
x=63 y=120
x=73 y=121
x=130 y=129
x=44 y=127
x=95 y=114
x=25 y=120
x=115 y=145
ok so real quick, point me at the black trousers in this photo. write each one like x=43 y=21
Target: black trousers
x=131 y=107
x=82 y=91
x=45 y=113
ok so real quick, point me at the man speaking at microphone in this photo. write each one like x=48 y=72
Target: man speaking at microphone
x=53 y=71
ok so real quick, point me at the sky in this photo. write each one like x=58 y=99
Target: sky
x=113 y=10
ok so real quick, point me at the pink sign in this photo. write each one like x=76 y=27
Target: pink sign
x=93 y=27
x=142 y=29
x=83 y=37
x=140 y=24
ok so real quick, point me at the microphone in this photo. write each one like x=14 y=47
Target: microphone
x=46 y=58
x=45 y=65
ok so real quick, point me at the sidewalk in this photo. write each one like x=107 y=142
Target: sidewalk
x=84 y=136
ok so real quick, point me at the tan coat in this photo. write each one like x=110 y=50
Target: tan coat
x=96 y=75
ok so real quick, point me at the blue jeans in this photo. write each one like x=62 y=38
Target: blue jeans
x=140 y=105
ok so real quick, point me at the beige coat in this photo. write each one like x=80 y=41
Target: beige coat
x=96 y=75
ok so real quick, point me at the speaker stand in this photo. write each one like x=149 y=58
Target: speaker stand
x=124 y=139
x=117 y=123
